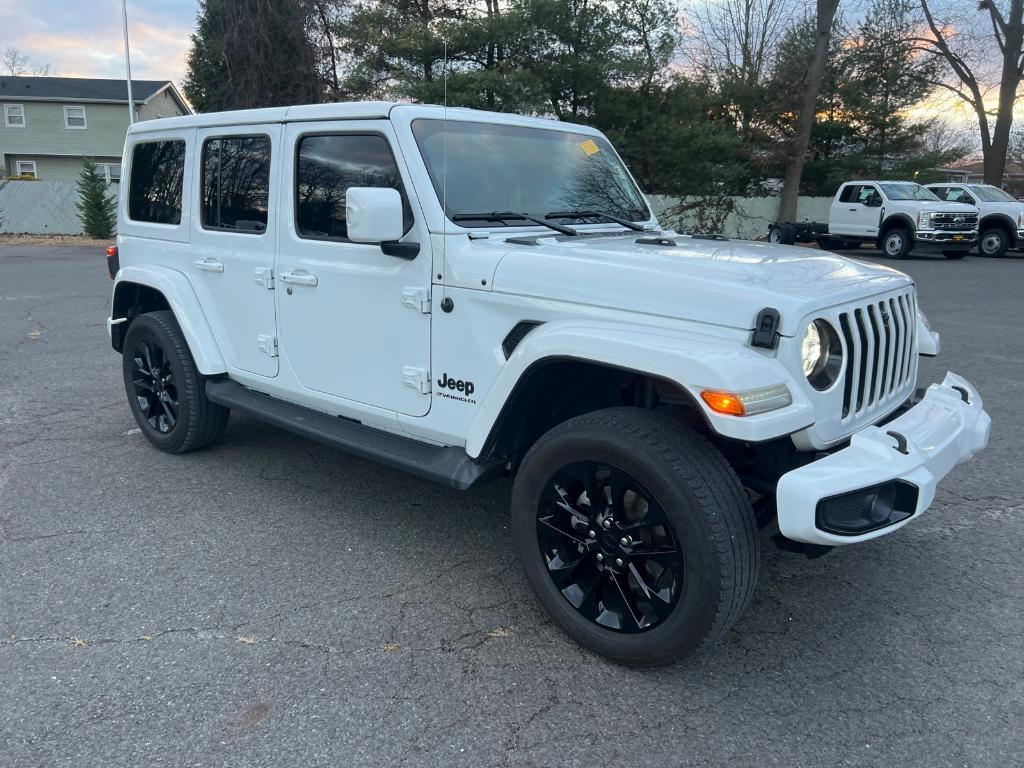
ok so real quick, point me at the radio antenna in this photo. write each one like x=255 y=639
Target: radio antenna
x=444 y=173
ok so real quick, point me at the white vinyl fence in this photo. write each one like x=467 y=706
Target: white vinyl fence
x=48 y=208
x=39 y=208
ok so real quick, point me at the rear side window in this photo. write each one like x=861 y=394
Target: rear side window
x=157 y=182
x=326 y=167
x=236 y=183
x=850 y=193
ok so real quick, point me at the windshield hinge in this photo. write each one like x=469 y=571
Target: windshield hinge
x=416 y=378
x=416 y=298
x=265 y=277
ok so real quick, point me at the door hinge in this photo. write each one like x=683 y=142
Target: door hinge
x=265 y=277
x=416 y=378
x=416 y=298
x=267 y=345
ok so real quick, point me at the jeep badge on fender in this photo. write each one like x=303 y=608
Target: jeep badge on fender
x=627 y=393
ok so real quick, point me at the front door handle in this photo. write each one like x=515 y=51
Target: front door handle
x=208 y=265
x=855 y=209
x=300 y=277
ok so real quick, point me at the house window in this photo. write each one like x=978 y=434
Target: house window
x=14 y=115
x=236 y=183
x=25 y=168
x=109 y=172
x=74 y=117
x=156 y=187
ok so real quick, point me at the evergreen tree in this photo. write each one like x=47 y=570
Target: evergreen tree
x=253 y=53
x=97 y=208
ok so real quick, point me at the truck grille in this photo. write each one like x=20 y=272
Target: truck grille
x=880 y=337
x=955 y=222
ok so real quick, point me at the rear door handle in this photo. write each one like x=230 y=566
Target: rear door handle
x=300 y=277
x=208 y=265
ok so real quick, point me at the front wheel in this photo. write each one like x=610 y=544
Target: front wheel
x=993 y=242
x=635 y=534
x=165 y=391
x=896 y=243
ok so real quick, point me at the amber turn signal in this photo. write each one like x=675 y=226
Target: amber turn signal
x=723 y=402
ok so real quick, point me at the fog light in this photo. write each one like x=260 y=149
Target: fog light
x=867 y=509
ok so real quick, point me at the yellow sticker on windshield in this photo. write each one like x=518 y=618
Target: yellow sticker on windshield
x=590 y=147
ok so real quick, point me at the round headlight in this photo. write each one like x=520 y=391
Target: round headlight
x=821 y=354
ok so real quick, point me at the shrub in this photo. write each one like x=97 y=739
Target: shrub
x=96 y=207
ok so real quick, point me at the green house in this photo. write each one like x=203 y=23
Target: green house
x=49 y=124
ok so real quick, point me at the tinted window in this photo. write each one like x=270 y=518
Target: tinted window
x=327 y=167
x=155 y=189
x=907 y=191
x=850 y=193
x=236 y=183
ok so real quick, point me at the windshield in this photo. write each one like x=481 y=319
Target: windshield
x=907 y=191
x=992 y=194
x=532 y=171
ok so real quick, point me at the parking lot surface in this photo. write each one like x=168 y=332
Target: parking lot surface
x=272 y=602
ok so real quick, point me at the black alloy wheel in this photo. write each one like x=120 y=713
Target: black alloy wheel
x=609 y=546
x=155 y=389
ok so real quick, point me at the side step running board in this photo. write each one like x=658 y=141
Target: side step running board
x=450 y=466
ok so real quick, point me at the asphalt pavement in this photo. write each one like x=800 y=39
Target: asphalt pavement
x=272 y=602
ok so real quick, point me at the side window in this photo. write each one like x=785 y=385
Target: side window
x=850 y=193
x=156 y=184
x=939 y=192
x=236 y=183
x=326 y=166
x=953 y=195
x=864 y=194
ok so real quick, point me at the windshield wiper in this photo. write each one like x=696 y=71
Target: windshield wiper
x=504 y=216
x=594 y=215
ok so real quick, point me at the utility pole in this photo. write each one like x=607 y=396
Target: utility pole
x=127 y=61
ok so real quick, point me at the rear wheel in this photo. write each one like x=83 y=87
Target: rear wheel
x=782 y=234
x=896 y=243
x=993 y=242
x=165 y=391
x=635 y=534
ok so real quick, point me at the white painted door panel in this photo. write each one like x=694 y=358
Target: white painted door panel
x=343 y=326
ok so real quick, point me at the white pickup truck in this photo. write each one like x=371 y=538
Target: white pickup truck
x=898 y=217
x=1002 y=215
x=465 y=295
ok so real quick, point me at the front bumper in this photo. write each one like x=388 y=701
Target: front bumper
x=907 y=457
x=940 y=240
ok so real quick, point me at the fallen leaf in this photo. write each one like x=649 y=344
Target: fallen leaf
x=34 y=334
x=499 y=632
x=147 y=637
x=389 y=647
x=77 y=642
x=250 y=640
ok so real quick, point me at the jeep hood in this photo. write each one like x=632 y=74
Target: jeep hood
x=722 y=282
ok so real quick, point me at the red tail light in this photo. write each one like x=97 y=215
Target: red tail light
x=113 y=263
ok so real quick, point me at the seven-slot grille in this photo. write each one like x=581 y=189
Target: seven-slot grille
x=880 y=337
x=955 y=222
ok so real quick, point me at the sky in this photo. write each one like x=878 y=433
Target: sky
x=82 y=38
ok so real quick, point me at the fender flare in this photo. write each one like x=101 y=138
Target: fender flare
x=182 y=299
x=889 y=222
x=999 y=220
x=690 y=360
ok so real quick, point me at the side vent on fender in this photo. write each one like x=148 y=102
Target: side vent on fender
x=517 y=334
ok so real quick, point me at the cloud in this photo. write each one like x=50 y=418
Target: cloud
x=83 y=38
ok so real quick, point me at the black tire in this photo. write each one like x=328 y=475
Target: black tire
x=782 y=234
x=897 y=243
x=954 y=254
x=160 y=376
x=993 y=242
x=692 y=487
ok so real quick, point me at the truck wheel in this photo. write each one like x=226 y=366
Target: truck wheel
x=896 y=243
x=782 y=234
x=993 y=242
x=954 y=254
x=165 y=391
x=635 y=534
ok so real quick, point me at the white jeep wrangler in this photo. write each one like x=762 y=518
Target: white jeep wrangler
x=465 y=295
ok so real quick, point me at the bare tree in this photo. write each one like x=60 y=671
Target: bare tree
x=809 y=87
x=966 y=58
x=15 y=64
